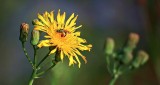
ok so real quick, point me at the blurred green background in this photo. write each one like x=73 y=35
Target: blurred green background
x=100 y=19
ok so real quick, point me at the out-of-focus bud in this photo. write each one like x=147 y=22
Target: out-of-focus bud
x=35 y=37
x=133 y=40
x=129 y=47
x=24 y=29
x=142 y=58
x=109 y=46
x=127 y=58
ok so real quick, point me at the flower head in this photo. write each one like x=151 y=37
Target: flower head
x=62 y=35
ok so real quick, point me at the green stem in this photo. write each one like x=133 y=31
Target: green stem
x=34 y=73
x=32 y=77
x=43 y=60
x=112 y=82
x=35 y=54
x=26 y=54
x=108 y=64
x=43 y=72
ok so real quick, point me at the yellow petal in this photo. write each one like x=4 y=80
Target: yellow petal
x=77 y=33
x=69 y=20
x=51 y=16
x=73 y=21
x=53 y=51
x=78 y=27
x=84 y=58
x=66 y=53
x=63 y=18
x=45 y=15
x=42 y=19
x=40 y=28
x=74 y=62
x=61 y=56
x=81 y=40
x=79 y=63
x=89 y=46
x=44 y=43
x=37 y=22
x=47 y=36
x=77 y=52
x=72 y=29
x=83 y=47
x=55 y=24
x=59 y=17
x=71 y=60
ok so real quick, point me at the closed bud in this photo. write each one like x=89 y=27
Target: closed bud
x=109 y=46
x=127 y=58
x=34 y=21
x=24 y=29
x=133 y=40
x=35 y=37
x=142 y=58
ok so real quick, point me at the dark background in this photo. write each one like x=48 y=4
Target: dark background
x=100 y=19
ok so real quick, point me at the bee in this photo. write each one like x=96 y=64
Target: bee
x=63 y=32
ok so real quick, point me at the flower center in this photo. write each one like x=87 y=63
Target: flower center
x=62 y=32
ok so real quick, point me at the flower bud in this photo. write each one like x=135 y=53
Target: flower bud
x=109 y=46
x=127 y=58
x=133 y=40
x=142 y=58
x=35 y=37
x=34 y=21
x=24 y=29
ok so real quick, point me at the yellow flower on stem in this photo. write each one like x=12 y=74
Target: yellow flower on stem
x=62 y=35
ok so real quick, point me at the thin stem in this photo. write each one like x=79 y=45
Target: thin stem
x=108 y=64
x=45 y=64
x=43 y=72
x=26 y=54
x=112 y=82
x=32 y=77
x=43 y=60
x=35 y=54
x=34 y=73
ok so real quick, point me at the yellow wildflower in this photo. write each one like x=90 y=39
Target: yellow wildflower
x=62 y=35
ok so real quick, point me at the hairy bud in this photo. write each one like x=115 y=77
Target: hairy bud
x=133 y=40
x=142 y=58
x=24 y=29
x=109 y=46
x=35 y=37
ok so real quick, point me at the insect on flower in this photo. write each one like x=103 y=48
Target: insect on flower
x=63 y=32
